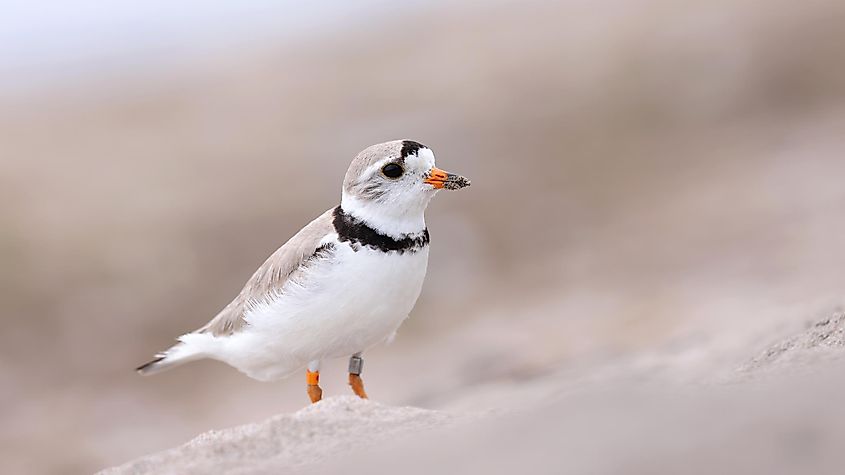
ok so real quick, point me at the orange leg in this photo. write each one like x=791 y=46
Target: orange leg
x=356 y=364
x=314 y=391
x=357 y=385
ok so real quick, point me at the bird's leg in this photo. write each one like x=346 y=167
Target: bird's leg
x=312 y=376
x=356 y=364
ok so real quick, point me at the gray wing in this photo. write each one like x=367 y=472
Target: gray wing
x=272 y=275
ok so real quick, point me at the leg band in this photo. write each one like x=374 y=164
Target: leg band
x=356 y=365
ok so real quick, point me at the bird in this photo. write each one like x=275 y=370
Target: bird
x=341 y=285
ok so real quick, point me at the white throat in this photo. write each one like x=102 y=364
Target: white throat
x=393 y=221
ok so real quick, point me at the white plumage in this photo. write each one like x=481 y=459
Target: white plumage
x=339 y=306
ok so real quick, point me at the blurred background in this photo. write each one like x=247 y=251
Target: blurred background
x=649 y=176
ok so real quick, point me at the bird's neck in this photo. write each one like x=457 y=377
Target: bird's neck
x=386 y=218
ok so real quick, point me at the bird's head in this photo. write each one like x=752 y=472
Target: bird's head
x=390 y=184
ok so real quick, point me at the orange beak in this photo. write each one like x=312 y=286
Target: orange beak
x=442 y=179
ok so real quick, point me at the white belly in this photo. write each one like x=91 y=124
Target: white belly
x=343 y=305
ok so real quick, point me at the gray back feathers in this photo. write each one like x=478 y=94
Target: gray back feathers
x=269 y=279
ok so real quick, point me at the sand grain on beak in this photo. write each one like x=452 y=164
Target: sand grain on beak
x=442 y=179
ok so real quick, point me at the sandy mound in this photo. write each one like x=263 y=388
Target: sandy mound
x=822 y=340
x=333 y=426
x=629 y=422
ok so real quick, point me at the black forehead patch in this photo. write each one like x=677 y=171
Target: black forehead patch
x=410 y=147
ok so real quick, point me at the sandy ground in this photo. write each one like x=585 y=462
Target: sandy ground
x=777 y=413
x=335 y=426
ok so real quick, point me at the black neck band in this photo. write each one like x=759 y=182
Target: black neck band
x=357 y=233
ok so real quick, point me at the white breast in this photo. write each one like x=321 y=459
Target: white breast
x=341 y=305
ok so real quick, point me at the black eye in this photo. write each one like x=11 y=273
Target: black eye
x=392 y=170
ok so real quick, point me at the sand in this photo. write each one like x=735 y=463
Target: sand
x=777 y=413
x=334 y=426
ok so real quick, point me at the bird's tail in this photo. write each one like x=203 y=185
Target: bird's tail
x=157 y=365
x=191 y=347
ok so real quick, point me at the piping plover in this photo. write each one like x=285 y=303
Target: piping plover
x=342 y=284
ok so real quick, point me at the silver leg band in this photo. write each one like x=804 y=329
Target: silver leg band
x=356 y=365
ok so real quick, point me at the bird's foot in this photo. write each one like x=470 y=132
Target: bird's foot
x=357 y=385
